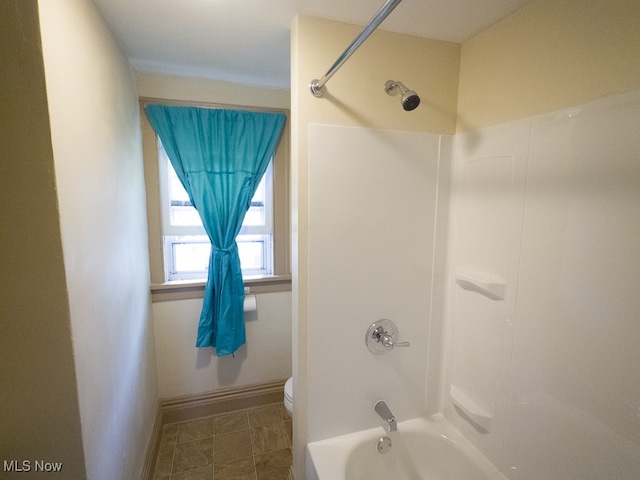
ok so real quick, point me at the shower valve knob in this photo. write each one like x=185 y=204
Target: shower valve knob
x=381 y=337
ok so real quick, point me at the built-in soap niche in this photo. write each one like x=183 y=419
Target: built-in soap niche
x=489 y=194
x=478 y=342
x=470 y=409
x=490 y=286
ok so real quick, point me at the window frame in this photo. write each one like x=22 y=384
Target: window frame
x=279 y=279
x=174 y=235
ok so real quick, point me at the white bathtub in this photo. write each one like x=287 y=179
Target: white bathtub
x=422 y=449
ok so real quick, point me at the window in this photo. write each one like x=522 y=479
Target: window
x=186 y=245
x=179 y=247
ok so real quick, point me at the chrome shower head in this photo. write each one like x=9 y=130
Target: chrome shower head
x=410 y=99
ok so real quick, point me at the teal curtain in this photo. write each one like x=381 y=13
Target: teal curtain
x=220 y=157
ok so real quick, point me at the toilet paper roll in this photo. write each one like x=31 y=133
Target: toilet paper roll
x=250 y=303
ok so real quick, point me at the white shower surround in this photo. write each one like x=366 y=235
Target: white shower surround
x=563 y=389
x=372 y=213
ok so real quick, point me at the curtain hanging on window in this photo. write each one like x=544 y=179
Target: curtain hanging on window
x=220 y=157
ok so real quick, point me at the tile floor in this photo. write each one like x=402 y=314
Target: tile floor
x=252 y=444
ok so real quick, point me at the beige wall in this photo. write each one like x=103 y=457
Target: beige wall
x=546 y=56
x=184 y=369
x=38 y=400
x=355 y=94
x=210 y=91
x=95 y=133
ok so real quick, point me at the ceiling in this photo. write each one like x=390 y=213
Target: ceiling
x=247 y=41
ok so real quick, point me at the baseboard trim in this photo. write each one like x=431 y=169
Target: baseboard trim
x=153 y=446
x=190 y=407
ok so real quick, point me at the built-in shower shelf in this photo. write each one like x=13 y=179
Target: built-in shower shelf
x=487 y=285
x=470 y=408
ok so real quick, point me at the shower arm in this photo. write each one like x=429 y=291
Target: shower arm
x=317 y=87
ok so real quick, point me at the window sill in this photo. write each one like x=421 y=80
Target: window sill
x=184 y=289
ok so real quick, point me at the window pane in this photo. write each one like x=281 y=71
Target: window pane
x=184 y=216
x=189 y=255
x=182 y=212
x=251 y=250
x=256 y=215
x=176 y=190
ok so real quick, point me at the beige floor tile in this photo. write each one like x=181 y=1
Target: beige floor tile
x=264 y=415
x=283 y=412
x=252 y=444
x=164 y=461
x=169 y=434
x=239 y=469
x=205 y=473
x=194 y=430
x=268 y=438
x=231 y=446
x=192 y=455
x=274 y=465
x=288 y=425
x=231 y=422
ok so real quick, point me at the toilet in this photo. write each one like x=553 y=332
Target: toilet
x=288 y=396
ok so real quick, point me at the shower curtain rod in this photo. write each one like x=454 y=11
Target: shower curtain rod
x=316 y=86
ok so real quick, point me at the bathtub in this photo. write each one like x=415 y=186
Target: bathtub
x=422 y=449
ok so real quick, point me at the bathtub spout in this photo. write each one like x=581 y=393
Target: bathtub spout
x=383 y=411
